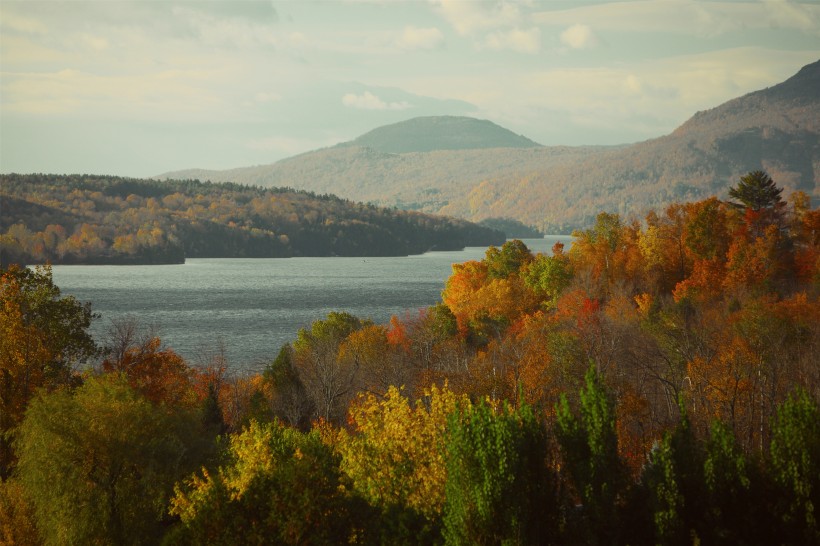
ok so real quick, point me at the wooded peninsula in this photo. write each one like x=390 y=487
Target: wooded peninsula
x=73 y=219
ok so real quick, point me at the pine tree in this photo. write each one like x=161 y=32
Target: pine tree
x=757 y=191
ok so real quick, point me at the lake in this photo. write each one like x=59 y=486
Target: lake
x=251 y=307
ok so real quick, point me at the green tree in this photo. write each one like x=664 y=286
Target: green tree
x=734 y=513
x=757 y=191
x=289 y=401
x=759 y=197
x=676 y=488
x=503 y=262
x=589 y=450
x=795 y=463
x=666 y=500
x=549 y=276
x=99 y=464
x=498 y=486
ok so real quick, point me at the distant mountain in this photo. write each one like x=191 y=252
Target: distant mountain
x=425 y=181
x=428 y=134
x=559 y=188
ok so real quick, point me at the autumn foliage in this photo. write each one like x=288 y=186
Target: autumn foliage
x=651 y=381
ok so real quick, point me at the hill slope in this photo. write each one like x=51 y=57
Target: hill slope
x=559 y=188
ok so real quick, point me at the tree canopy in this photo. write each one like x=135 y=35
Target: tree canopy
x=656 y=384
x=99 y=464
x=43 y=337
x=756 y=191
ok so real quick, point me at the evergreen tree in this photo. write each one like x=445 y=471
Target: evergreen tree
x=759 y=197
x=498 y=487
x=795 y=463
x=674 y=478
x=733 y=515
x=757 y=191
x=589 y=449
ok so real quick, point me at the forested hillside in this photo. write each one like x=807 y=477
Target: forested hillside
x=93 y=219
x=656 y=383
x=775 y=129
x=557 y=189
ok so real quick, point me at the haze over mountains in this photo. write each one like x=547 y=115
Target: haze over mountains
x=477 y=170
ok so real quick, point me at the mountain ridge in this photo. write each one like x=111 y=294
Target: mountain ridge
x=559 y=188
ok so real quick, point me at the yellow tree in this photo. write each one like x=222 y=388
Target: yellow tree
x=485 y=305
x=24 y=358
x=594 y=250
x=395 y=452
x=460 y=289
x=663 y=250
x=275 y=486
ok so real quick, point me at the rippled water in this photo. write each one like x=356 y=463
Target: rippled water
x=254 y=306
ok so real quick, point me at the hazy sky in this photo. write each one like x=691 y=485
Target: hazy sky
x=141 y=88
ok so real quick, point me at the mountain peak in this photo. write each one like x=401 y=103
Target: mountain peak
x=431 y=133
x=803 y=85
x=779 y=106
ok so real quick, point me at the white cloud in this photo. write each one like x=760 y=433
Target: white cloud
x=691 y=17
x=522 y=41
x=369 y=101
x=19 y=23
x=578 y=37
x=420 y=38
x=786 y=14
x=468 y=17
x=226 y=31
x=632 y=85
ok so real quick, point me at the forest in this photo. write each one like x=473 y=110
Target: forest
x=656 y=383
x=73 y=219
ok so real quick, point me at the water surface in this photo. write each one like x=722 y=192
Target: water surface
x=253 y=306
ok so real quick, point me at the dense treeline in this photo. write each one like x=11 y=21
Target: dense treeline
x=93 y=219
x=657 y=383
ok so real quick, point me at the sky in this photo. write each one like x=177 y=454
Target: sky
x=146 y=87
